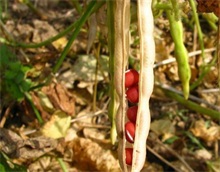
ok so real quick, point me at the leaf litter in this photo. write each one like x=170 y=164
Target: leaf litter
x=85 y=145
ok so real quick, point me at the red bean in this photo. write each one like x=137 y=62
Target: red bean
x=129 y=155
x=132 y=113
x=130 y=132
x=132 y=94
x=131 y=78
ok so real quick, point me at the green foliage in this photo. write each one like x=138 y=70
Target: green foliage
x=13 y=74
x=194 y=140
x=6 y=165
x=3 y=9
x=171 y=140
x=0 y=18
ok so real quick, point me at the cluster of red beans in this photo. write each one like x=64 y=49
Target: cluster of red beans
x=131 y=84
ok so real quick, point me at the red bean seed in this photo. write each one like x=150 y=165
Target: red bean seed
x=130 y=132
x=131 y=78
x=132 y=94
x=129 y=155
x=132 y=113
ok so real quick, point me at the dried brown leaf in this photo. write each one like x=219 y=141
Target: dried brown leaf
x=60 y=98
x=209 y=6
x=90 y=156
x=14 y=146
x=209 y=135
x=163 y=127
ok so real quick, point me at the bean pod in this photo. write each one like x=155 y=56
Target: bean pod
x=121 y=52
x=138 y=91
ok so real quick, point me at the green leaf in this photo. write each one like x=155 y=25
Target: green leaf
x=15 y=66
x=19 y=77
x=171 y=140
x=6 y=165
x=6 y=56
x=10 y=75
x=2 y=168
x=14 y=90
x=194 y=140
x=25 y=85
x=25 y=69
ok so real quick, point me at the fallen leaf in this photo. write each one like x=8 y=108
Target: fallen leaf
x=84 y=70
x=163 y=127
x=57 y=126
x=45 y=102
x=203 y=154
x=209 y=135
x=14 y=146
x=60 y=98
x=60 y=43
x=90 y=156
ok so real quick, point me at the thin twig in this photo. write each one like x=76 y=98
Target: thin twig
x=88 y=125
x=6 y=114
x=191 y=54
x=212 y=90
x=218 y=49
x=177 y=155
x=88 y=116
x=72 y=121
x=162 y=159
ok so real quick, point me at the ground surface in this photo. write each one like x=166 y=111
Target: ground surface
x=76 y=132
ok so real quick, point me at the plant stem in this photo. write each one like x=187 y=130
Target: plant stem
x=163 y=6
x=112 y=93
x=35 y=10
x=218 y=51
x=77 y=6
x=50 y=40
x=189 y=104
x=200 y=34
x=211 y=19
x=97 y=56
x=205 y=70
x=176 y=9
x=28 y=97
x=62 y=164
x=79 y=24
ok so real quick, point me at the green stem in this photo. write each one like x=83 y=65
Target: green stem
x=77 y=6
x=112 y=93
x=97 y=56
x=163 y=6
x=211 y=19
x=218 y=52
x=79 y=24
x=50 y=40
x=28 y=97
x=205 y=70
x=32 y=7
x=62 y=164
x=191 y=105
x=176 y=9
x=200 y=34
